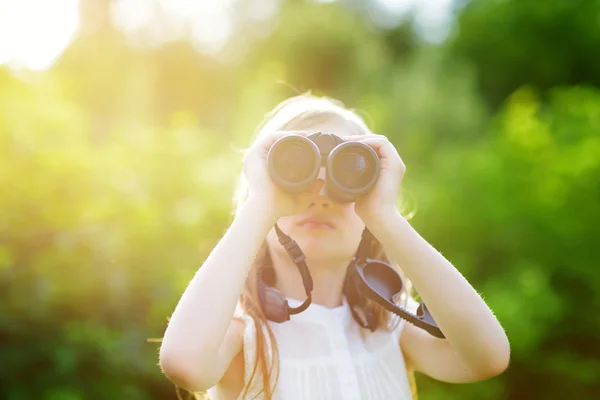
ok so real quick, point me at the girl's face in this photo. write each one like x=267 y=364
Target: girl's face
x=326 y=231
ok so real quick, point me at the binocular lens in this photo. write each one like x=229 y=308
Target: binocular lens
x=294 y=162
x=353 y=168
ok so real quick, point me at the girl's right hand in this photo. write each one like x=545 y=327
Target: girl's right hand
x=277 y=202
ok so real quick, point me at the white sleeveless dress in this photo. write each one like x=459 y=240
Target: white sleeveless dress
x=325 y=354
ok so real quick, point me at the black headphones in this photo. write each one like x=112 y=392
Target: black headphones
x=373 y=279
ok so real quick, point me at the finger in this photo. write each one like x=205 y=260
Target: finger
x=386 y=150
x=376 y=142
x=381 y=145
x=273 y=137
x=262 y=146
x=294 y=132
x=357 y=138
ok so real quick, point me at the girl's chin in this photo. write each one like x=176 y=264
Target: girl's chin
x=310 y=233
x=318 y=247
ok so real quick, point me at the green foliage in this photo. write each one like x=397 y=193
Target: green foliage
x=520 y=221
x=516 y=42
x=117 y=168
x=98 y=236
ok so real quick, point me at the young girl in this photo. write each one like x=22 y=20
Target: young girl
x=219 y=339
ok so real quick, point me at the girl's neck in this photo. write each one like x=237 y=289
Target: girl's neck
x=328 y=279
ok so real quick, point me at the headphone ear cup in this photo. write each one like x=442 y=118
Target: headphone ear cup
x=273 y=303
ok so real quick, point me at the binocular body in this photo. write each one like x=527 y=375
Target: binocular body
x=352 y=168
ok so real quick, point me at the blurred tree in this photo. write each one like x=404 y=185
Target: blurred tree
x=89 y=240
x=520 y=219
x=543 y=44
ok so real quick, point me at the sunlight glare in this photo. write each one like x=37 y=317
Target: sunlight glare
x=34 y=33
x=209 y=24
x=131 y=15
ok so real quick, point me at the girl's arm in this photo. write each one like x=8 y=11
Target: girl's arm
x=202 y=338
x=476 y=346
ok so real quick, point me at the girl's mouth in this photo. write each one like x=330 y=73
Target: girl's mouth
x=316 y=223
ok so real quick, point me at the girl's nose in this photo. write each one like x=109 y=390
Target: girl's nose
x=321 y=181
x=322 y=200
x=322 y=191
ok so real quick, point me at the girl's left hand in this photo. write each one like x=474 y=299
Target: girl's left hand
x=381 y=200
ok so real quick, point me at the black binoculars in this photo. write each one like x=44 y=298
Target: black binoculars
x=352 y=168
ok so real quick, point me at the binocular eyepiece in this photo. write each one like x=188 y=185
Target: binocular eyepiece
x=352 y=168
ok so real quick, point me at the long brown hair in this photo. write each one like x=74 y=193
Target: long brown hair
x=298 y=112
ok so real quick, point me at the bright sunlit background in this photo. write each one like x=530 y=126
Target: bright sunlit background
x=120 y=128
x=33 y=33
